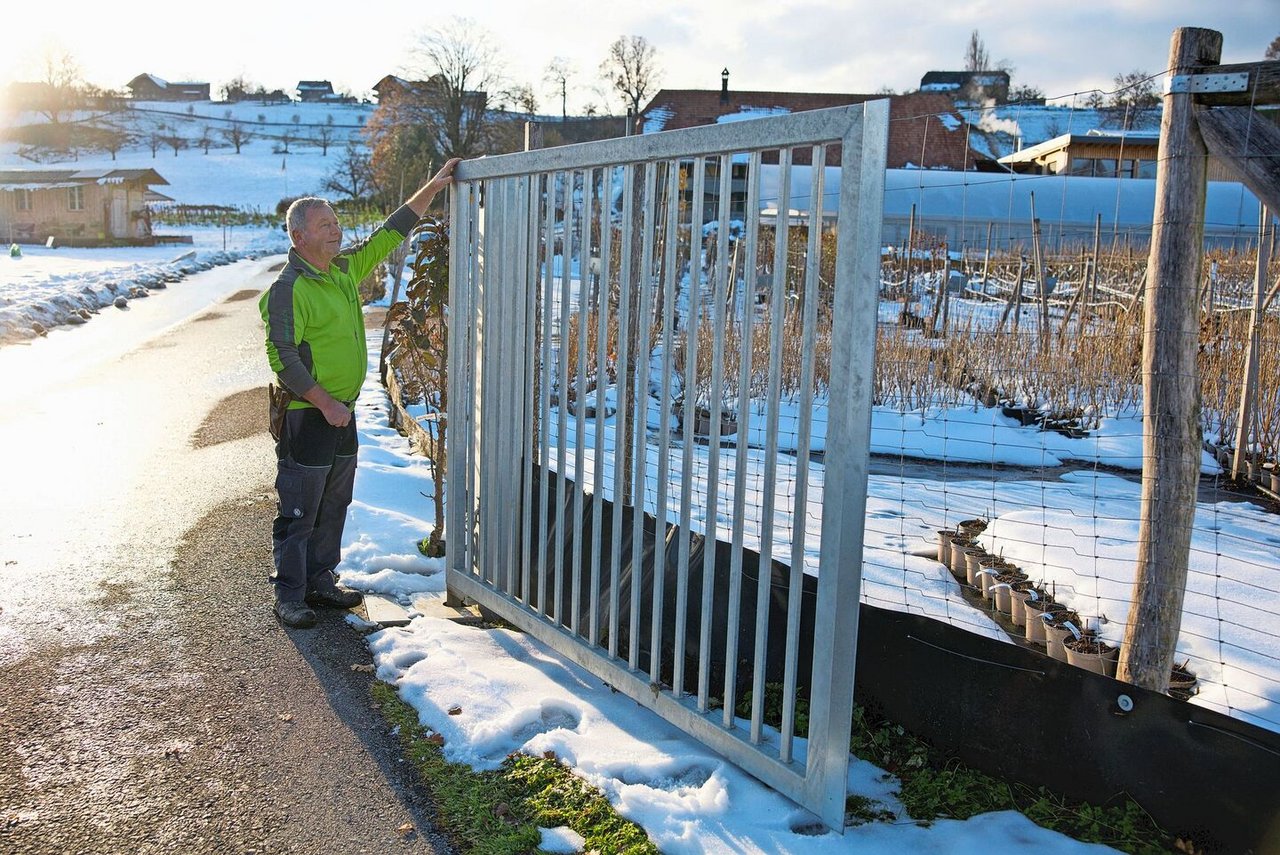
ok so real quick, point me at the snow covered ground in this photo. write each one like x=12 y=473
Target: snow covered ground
x=63 y=285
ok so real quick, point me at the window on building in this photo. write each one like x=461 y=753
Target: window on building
x=75 y=198
x=1082 y=166
x=1145 y=169
x=1104 y=167
x=24 y=200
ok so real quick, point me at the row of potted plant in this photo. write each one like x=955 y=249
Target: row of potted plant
x=1031 y=607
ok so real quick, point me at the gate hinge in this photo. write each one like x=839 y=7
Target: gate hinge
x=1182 y=84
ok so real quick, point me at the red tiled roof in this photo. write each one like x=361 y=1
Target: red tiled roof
x=924 y=127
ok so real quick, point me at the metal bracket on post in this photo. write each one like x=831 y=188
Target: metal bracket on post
x=1184 y=84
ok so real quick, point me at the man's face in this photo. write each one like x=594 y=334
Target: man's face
x=320 y=237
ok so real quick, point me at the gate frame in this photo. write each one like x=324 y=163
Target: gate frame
x=819 y=785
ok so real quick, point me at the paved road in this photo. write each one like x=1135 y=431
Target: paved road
x=150 y=702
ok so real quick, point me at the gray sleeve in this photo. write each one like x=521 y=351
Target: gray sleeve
x=293 y=369
x=402 y=220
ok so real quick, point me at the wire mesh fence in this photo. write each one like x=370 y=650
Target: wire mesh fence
x=1006 y=433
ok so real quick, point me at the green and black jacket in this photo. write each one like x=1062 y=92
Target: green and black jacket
x=314 y=321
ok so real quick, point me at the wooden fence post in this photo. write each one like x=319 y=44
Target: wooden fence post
x=1170 y=407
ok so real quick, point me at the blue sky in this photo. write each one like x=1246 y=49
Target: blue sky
x=815 y=45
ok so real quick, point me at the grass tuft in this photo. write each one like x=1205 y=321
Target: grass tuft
x=499 y=812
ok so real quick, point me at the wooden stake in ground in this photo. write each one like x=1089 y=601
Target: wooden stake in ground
x=1170 y=407
x=1249 y=381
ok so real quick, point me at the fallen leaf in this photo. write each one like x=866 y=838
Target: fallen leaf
x=455 y=710
x=363 y=669
x=284 y=716
x=436 y=739
x=548 y=755
x=405 y=830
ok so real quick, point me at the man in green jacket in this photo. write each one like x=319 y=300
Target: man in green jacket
x=316 y=346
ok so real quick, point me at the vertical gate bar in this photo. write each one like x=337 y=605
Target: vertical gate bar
x=515 y=298
x=457 y=286
x=693 y=305
x=670 y=247
x=620 y=418
x=799 y=507
x=714 y=403
x=473 y=404
x=498 y=280
x=844 y=503
x=580 y=401
x=601 y=304
x=530 y=388
x=745 y=297
x=489 y=265
x=546 y=319
x=640 y=457
x=777 y=321
x=504 y=282
x=562 y=390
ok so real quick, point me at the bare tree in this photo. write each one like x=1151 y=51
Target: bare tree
x=1133 y=98
x=461 y=66
x=324 y=135
x=205 y=139
x=63 y=82
x=236 y=134
x=1024 y=92
x=524 y=99
x=352 y=176
x=155 y=138
x=631 y=69
x=174 y=140
x=238 y=88
x=976 y=57
x=557 y=73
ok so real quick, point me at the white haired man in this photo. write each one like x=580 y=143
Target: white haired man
x=316 y=346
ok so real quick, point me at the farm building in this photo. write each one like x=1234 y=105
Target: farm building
x=77 y=207
x=148 y=87
x=314 y=90
x=1099 y=155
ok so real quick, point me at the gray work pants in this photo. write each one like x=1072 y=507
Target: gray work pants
x=316 y=471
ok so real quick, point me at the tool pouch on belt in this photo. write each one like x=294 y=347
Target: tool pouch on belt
x=279 y=399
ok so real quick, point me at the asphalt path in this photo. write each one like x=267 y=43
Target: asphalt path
x=149 y=700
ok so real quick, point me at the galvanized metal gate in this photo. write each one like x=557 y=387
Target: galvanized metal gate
x=595 y=284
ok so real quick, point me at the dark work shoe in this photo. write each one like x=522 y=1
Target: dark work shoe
x=334 y=597
x=295 y=614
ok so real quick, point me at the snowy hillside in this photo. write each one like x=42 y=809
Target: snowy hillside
x=256 y=178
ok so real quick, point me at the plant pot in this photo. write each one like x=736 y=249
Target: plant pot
x=973 y=559
x=944 y=545
x=958 y=545
x=1002 y=591
x=1064 y=625
x=1017 y=601
x=1182 y=683
x=1035 y=623
x=1092 y=655
x=972 y=528
x=987 y=581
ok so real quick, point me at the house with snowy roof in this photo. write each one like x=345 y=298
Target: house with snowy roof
x=315 y=90
x=89 y=207
x=148 y=87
